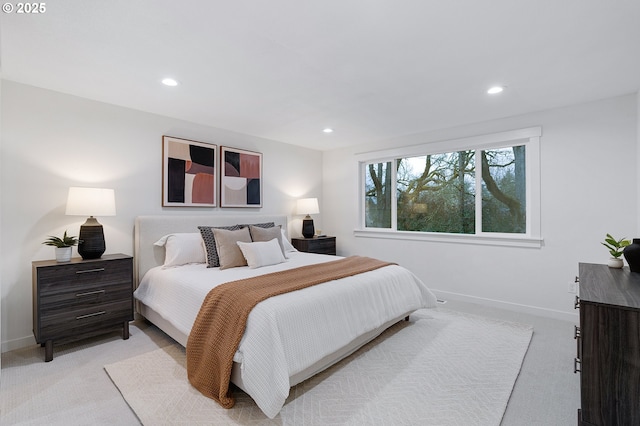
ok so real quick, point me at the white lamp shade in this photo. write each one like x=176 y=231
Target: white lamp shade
x=308 y=206
x=91 y=202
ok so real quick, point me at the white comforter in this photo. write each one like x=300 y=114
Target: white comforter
x=288 y=333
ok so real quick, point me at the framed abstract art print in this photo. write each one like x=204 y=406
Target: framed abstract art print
x=188 y=173
x=241 y=178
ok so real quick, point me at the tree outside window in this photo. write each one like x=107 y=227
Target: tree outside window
x=504 y=190
x=378 y=195
x=437 y=192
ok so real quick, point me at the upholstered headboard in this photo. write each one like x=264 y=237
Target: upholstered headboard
x=149 y=229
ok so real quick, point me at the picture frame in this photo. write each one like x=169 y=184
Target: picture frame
x=240 y=178
x=189 y=176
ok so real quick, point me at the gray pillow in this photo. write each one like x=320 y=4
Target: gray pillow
x=229 y=253
x=259 y=234
x=213 y=261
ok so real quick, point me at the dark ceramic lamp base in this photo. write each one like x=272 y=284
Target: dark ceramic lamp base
x=307 y=227
x=91 y=239
x=632 y=255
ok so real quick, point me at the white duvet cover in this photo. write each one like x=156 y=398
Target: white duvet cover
x=288 y=333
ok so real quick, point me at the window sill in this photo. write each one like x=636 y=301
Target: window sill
x=487 y=240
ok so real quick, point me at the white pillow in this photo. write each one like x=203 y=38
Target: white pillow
x=182 y=249
x=286 y=244
x=262 y=253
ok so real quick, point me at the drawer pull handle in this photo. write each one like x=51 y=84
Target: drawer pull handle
x=576 y=304
x=90 y=270
x=95 y=314
x=89 y=293
x=576 y=362
x=578 y=338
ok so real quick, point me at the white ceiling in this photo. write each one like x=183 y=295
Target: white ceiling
x=370 y=69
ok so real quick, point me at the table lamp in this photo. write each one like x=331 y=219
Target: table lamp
x=91 y=202
x=308 y=206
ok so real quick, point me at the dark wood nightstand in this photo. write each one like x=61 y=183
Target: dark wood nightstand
x=81 y=298
x=320 y=245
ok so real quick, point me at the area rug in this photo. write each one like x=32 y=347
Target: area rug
x=440 y=368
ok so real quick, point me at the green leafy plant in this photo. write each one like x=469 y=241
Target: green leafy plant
x=615 y=246
x=65 y=241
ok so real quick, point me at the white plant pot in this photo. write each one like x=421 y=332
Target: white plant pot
x=63 y=254
x=615 y=263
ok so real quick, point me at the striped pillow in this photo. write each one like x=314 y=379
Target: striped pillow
x=213 y=260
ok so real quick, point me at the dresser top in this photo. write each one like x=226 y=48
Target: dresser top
x=76 y=260
x=315 y=237
x=609 y=286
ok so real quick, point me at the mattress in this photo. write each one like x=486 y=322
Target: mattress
x=289 y=336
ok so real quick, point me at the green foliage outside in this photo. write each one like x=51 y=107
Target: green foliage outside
x=436 y=193
x=504 y=190
x=378 y=195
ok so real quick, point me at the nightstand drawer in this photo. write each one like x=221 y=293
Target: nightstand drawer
x=91 y=295
x=71 y=322
x=324 y=244
x=75 y=277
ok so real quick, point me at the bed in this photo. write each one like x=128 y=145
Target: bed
x=289 y=337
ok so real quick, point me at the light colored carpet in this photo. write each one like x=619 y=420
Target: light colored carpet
x=441 y=368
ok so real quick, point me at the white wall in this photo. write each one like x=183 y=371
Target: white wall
x=1 y=261
x=589 y=187
x=51 y=141
x=638 y=159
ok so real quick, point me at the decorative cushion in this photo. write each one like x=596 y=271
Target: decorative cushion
x=229 y=253
x=259 y=234
x=209 y=240
x=262 y=253
x=182 y=249
x=259 y=225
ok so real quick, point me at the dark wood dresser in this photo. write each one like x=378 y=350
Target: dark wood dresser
x=608 y=356
x=81 y=298
x=320 y=245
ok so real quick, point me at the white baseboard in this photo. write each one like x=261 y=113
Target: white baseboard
x=533 y=310
x=20 y=343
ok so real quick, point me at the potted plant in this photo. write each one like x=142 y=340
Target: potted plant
x=615 y=250
x=63 y=246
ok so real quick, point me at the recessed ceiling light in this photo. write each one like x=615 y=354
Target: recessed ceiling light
x=169 y=82
x=495 y=89
x=327 y=130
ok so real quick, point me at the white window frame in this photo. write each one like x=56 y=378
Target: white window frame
x=530 y=137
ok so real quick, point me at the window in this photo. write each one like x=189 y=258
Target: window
x=504 y=190
x=378 y=195
x=485 y=188
x=436 y=193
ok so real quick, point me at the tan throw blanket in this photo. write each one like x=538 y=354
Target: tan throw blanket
x=220 y=324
